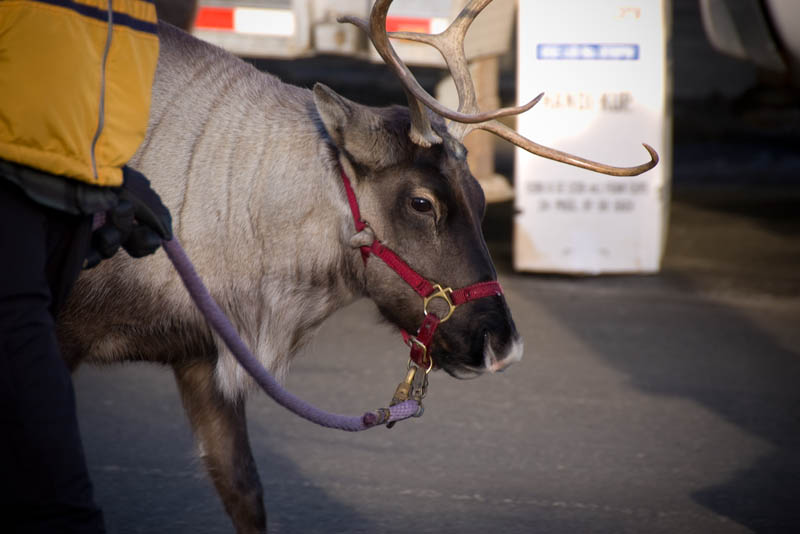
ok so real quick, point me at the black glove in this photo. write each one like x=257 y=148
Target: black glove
x=139 y=222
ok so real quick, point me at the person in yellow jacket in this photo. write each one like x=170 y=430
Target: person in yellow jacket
x=75 y=82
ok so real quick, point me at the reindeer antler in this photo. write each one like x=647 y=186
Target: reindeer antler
x=450 y=44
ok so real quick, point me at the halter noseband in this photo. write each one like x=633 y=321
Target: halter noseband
x=421 y=342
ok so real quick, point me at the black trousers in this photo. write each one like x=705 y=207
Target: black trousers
x=44 y=481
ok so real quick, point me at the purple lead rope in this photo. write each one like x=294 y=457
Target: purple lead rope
x=220 y=323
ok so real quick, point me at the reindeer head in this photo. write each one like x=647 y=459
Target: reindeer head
x=424 y=204
x=418 y=196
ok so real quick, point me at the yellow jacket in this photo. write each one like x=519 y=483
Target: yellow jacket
x=74 y=87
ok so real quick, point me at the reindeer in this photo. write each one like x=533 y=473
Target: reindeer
x=250 y=169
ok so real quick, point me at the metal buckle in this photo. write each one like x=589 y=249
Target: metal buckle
x=419 y=384
x=412 y=340
x=440 y=293
x=415 y=386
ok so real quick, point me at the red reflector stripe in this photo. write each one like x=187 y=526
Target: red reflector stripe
x=214 y=18
x=408 y=24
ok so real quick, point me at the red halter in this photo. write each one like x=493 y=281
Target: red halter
x=421 y=342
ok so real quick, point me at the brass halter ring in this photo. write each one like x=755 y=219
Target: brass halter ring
x=444 y=293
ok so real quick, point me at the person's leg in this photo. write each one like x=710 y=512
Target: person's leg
x=44 y=482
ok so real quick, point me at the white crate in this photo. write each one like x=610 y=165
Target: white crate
x=603 y=68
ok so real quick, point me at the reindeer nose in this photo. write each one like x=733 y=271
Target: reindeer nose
x=495 y=363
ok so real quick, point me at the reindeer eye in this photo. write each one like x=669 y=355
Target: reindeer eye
x=421 y=204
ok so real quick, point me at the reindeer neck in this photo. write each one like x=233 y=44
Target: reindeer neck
x=253 y=189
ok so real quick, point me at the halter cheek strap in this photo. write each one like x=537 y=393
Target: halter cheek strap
x=421 y=342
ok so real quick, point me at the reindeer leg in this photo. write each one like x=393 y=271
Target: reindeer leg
x=220 y=429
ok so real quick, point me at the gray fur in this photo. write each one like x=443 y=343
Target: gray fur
x=238 y=158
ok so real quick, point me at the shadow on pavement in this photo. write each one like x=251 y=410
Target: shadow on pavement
x=718 y=327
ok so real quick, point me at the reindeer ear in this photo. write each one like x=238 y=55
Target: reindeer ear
x=363 y=134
